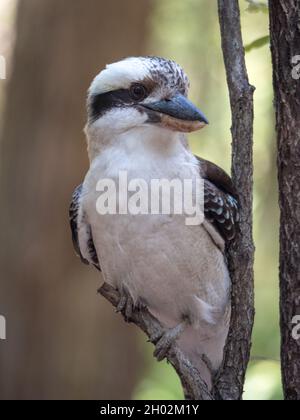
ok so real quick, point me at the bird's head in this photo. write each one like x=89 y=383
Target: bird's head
x=141 y=93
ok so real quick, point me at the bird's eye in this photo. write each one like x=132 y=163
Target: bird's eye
x=138 y=92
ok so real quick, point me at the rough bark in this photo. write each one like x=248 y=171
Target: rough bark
x=285 y=45
x=230 y=380
x=59 y=339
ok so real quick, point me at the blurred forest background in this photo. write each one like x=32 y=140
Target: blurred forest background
x=64 y=341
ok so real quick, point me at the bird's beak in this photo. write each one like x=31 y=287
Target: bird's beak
x=178 y=113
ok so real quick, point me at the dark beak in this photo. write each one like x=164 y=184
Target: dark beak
x=180 y=110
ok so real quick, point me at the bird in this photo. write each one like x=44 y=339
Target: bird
x=138 y=117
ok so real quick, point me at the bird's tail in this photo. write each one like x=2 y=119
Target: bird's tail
x=205 y=351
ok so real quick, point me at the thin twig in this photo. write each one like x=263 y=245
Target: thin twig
x=229 y=381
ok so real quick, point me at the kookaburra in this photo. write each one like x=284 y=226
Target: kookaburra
x=138 y=112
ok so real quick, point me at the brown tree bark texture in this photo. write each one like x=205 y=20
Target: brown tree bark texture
x=285 y=44
x=59 y=338
x=229 y=382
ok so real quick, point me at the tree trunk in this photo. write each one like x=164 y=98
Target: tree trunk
x=285 y=44
x=61 y=341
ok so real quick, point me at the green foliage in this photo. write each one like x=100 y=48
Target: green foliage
x=258 y=43
x=263 y=381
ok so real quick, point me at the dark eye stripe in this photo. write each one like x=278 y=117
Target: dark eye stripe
x=102 y=103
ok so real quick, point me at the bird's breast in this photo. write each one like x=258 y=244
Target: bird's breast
x=161 y=259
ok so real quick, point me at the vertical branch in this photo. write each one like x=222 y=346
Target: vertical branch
x=285 y=45
x=230 y=380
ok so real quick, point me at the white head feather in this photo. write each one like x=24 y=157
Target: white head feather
x=120 y=75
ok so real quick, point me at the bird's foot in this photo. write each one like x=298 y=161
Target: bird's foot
x=163 y=343
x=126 y=304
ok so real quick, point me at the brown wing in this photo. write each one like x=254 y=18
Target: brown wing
x=221 y=206
x=73 y=216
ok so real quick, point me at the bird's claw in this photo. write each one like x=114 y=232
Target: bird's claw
x=165 y=341
x=163 y=346
x=126 y=305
